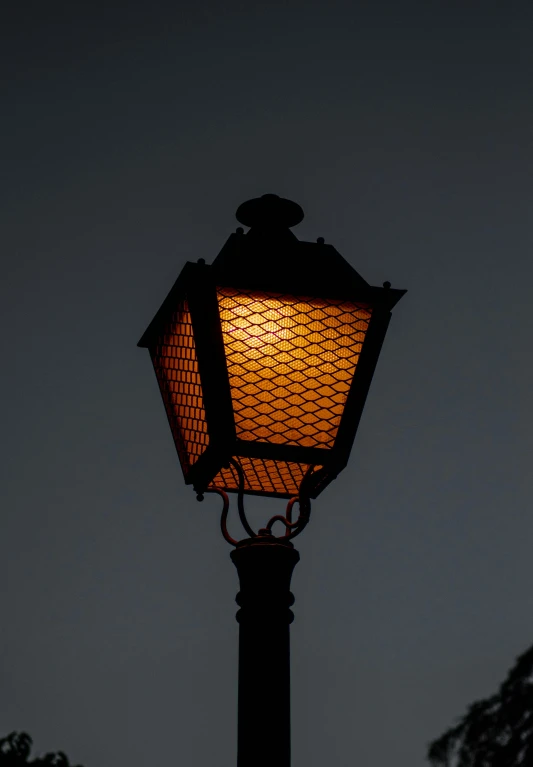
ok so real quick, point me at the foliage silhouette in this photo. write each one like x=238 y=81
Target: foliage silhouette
x=496 y=731
x=15 y=751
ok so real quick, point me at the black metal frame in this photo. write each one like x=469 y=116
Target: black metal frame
x=271 y=262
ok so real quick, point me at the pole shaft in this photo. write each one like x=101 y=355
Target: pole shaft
x=265 y=567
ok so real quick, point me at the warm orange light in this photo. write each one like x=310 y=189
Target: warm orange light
x=179 y=380
x=263 y=374
x=264 y=476
x=291 y=361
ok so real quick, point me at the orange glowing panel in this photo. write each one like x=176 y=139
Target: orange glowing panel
x=263 y=476
x=176 y=368
x=291 y=361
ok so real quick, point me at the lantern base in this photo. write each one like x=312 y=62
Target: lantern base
x=265 y=533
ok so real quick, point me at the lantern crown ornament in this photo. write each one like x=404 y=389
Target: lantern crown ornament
x=264 y=359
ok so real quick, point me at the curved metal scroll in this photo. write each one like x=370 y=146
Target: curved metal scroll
x=224 y=517
x=240 y=498
x=292 y=529
x=304 y=502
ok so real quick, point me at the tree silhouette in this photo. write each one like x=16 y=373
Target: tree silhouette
x=15 y=751
x=496 y=731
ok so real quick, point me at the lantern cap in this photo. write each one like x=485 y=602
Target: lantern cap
x=269 y=212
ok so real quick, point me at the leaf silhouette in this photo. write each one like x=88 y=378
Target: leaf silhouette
x=15 y=750
x=496 y=731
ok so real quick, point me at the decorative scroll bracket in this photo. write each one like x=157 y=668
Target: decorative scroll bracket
x=292 y=529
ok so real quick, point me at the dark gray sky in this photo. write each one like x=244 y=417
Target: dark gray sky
x=130 y=134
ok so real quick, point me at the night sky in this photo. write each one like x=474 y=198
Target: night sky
x=130 y=134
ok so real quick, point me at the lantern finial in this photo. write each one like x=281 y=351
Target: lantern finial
x=269 y=212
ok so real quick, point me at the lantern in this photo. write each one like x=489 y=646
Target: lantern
x=264 y=358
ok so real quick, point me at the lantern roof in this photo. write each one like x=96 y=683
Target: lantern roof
x=270 y=258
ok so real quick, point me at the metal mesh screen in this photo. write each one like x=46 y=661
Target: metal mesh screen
x=291 y=361
x=263 y=476
x=176 y=368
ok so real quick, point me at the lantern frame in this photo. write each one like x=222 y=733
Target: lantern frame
x=269 y=259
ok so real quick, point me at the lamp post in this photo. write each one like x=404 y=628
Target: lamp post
x=264 y=360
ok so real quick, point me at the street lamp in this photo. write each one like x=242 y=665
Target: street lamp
x=264 y=360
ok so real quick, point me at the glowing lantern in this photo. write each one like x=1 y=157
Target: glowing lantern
x=265 y=358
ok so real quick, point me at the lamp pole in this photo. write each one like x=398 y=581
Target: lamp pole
x=265 y=566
